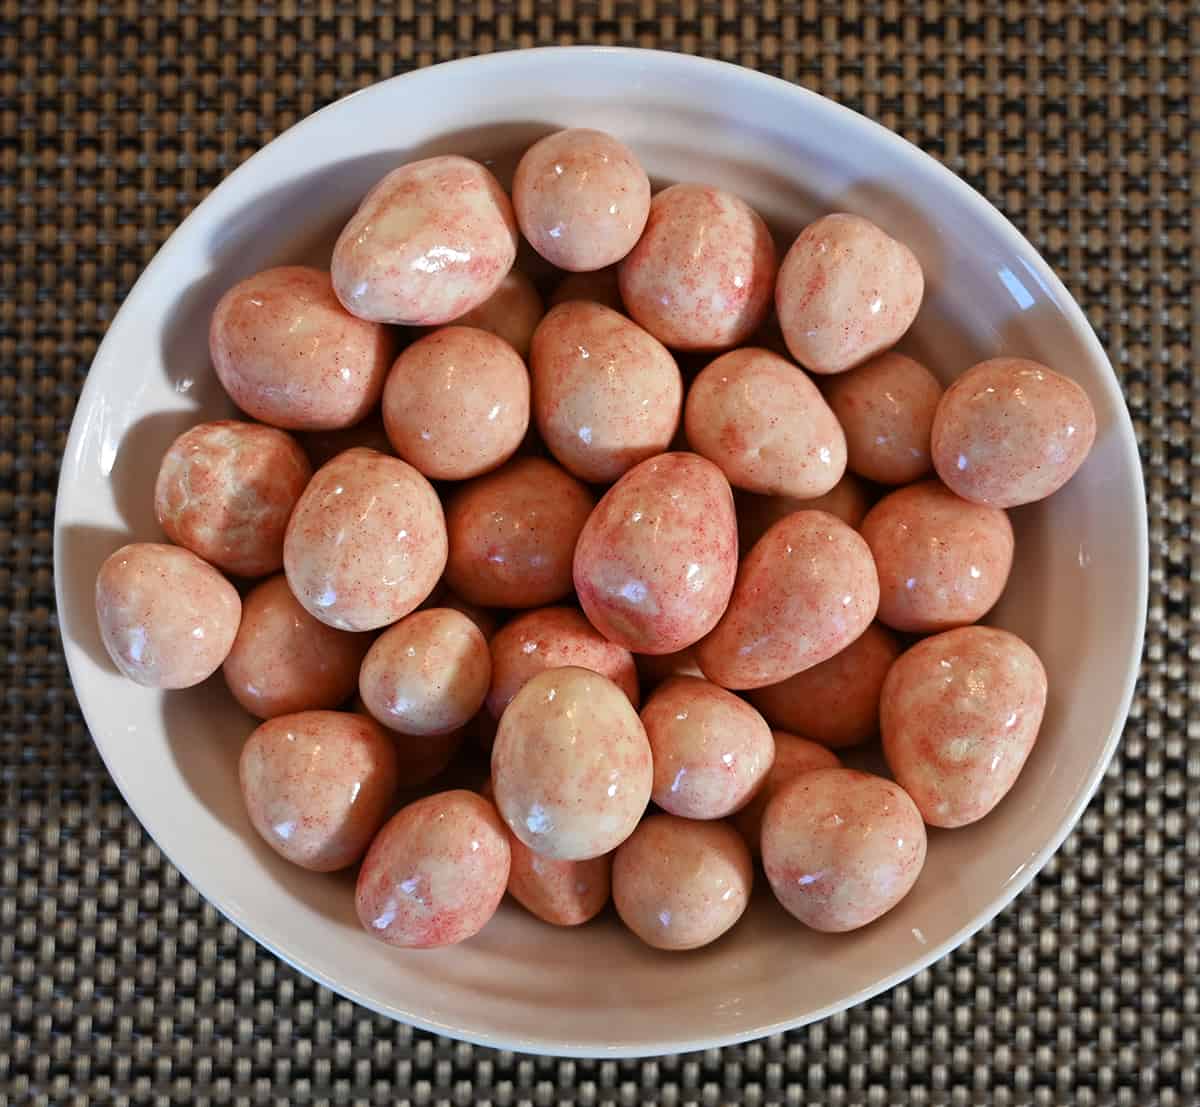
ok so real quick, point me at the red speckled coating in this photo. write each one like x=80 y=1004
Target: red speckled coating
x=766 y=425
x=701 y=275
x=711 y=749
x=600 y=287
x=225 y=491
x=653 y=669
x=655 y=563
x=323 y=446
x=167 y=618
x=886 y=408
x=366 y=543
x=581 y=199
x=317 y=786
x=849 y=500
x=513 y=534
x=436 y=873
x=943 y=562
x=679 y=884
x=564 y=893
x=835 y=703
x=429 y=242
x=840 y=847
x=805 y=591
x=290 y=355
x=846 y=292
x=553 y=638
x=571 y=765
x=1010 y=431
x=960 y=713
x=512 y=312
x=606 y=394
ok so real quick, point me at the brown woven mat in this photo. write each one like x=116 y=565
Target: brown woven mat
x=119 y=985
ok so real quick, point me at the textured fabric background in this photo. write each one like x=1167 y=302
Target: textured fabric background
x=119 y=985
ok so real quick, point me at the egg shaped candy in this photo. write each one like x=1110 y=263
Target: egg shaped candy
x=512 y=312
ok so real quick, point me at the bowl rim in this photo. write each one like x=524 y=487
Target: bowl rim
x=666 y=62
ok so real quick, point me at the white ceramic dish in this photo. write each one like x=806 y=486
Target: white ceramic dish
x=1078 y=590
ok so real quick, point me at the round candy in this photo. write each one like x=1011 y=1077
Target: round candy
x=581 y=199
x=1010 y=431
x=841 y=848
x=848 y=500
x=429 y=242
x=943 y=562
x=679 y=884
x=435 y=873
x=564 y=893
x=366 y=543
x=960 y=713
x=290 y=355
x=226 y=490
x=167 y=618
x=571 y=765
x=512 y=312
x=701 y=275
x=600 y=287
x=846 y=292
x=317 y=786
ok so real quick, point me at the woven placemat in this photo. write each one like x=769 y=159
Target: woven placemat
x=119 y=985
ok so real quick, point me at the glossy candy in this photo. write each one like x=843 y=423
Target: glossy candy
x=563 y=893
x=512 y=312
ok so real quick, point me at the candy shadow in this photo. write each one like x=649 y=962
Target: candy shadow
x=84 y=550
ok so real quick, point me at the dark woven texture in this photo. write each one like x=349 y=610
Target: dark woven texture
x=119 y=985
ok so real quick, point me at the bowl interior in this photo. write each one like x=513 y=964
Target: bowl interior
x=1077 y=592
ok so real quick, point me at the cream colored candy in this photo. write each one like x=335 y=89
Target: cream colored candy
x=656 y=561
x=701 y=275
x=1010 y=431
x=848 y=500
x=653 y=669
x=960 y=713
x=435 y=874
x=571 y=765
x=606 y=394
x=841 y=848
x=513 y=534
x=581 y=199
x=599 y=287
x=512 y=312
x=765 y=424
x=225 y=491
x=846 y=292
x=563 y=893
x=366 y=543
x=943 y=562
x=679 y=884
x=711 y=750
x=886 y=408
x=805 y=591
x=317 y=786
x=430 y=242
x=290 y=355
x=167 y=619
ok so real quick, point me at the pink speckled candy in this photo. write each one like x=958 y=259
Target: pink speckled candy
x=436 y=873
x=513 y=534
x=167 y=619
x=711 y=749
x=366 y=543
x=456 y=403
x=886 y=408
x=427 y=674
x=225 y=491
x=653 y=669
x=835 y=703
x=290 y=355
x=283 y=660
x=805 y=591
x=679 y=884
x=701 y=275
x=581 y=199
x=960 y=714
x=317 y=786
x=765 y=424
x=656 y=561
x=846 y=292
x=849 y=500
x=553 y=638
x=606 y=394
x=841 y=848
x=429 y=242
x=943 y=562
x=323 y=446
x=512 y=312
x=563 y=893
x=1010 y=431
x=600 y=287
x=571 y=765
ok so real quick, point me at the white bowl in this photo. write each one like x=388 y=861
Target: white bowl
x=1078 y=590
